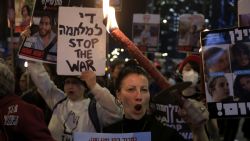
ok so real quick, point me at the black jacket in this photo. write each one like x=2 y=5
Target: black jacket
x=146 y=124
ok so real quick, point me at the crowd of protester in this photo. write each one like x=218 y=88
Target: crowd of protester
x=60 y=104
x=37 y=104
x=67 y=107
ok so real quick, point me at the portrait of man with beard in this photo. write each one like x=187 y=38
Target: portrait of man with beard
x=46 y=39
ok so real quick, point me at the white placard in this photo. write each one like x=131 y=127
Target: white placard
x=243 y=13
x=146 y=30
x=146 y=18
x=243 y=6
x=140 y=136
x=81 y=41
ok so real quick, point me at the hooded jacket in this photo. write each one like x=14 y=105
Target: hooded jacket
x=21 y=121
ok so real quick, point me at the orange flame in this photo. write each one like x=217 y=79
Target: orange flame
x=109 y=14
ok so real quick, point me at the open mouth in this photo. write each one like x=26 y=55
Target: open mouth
x=138 y=107
x=70 y=92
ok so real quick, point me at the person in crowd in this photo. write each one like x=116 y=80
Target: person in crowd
x=46 y=38
x=241 y=54
x=18 y=119
x=216 y=60
x=23 y=83
x=30 y=94
x=154 y=88
x=115 y=68
x=70 y=108
x=26 y=17
x=218 y=89
x=170 y=77
x=190 y=71
x=132 y=90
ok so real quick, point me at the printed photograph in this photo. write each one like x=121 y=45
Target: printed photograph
x=190 y=26
x=219 y=89
x=145 y=31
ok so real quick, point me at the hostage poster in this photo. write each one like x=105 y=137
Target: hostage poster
x=243 y=13
x=226 y=63
x=146 y=30
x=41 y=45
x=23 y=13
x=190 y=26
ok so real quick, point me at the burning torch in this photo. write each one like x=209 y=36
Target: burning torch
x=118 y=35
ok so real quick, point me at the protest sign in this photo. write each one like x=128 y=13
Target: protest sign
x=167 y=114
x=226 y=63
x=41 y=46
x=140 y=136
x=146 y=29
x=81 y=41
x=243 y=13
x=190 y=26
x=23 y=13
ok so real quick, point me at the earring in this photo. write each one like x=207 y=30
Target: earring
x=118 y=103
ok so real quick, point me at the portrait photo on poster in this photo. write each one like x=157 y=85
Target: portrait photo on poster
x=219 y=88
x=23 y=14
x=217 y=59
x=41 y=44
x=145 y=31
x=243 y=13
x=190 y=26
x=226 y=62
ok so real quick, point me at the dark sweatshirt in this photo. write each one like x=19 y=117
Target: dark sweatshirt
x=146 y=124
x=21 y=121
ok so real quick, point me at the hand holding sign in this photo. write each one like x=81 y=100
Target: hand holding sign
x=90 y=78
x=26 y=33
x=194 y=113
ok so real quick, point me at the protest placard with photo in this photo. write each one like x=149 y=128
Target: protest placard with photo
x=23 y=13
x=146 y=29
x=81 y=41
x=226 y=63
x=190 y=26
x=42 y=43
x=243 y=13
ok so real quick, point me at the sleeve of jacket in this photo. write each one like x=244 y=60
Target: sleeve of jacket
x=46 y=87
x=31 y=123
x=108 y=111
